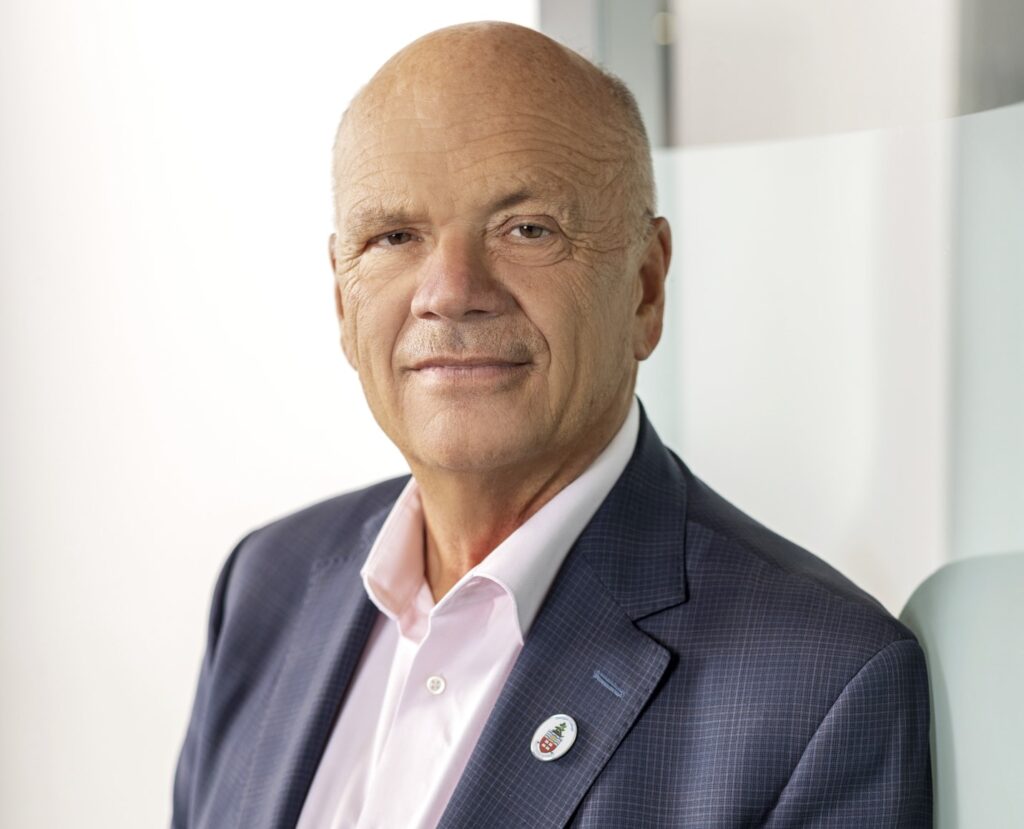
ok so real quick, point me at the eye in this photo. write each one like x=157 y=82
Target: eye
x=531 y=231
x=390 y=240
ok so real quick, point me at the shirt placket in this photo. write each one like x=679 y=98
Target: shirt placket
x=441 y=688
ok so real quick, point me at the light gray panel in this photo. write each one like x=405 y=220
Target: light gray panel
x=991 y=54
x=620 y=37
x=574 y=23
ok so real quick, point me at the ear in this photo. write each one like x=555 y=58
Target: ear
x=339 y=305
x=653 y=269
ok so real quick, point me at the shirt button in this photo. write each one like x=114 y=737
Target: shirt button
x=436 y=685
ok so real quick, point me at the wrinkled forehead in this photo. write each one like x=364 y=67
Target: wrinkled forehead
x=468 y=136
x=453 y=140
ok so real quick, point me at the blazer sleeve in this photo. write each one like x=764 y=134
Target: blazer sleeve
x=869 y=763
x=197 y=733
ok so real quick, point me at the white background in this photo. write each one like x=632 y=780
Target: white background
x=172 y=374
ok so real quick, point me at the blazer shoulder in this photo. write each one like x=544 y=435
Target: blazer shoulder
x=279 y=556
x=761 y=565
x=314 y=527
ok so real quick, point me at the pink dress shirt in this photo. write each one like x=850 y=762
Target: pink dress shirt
x=431 y=673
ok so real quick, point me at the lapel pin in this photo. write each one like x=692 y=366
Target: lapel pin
x=554 y=737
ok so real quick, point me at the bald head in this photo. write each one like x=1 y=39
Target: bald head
x=499 y=272
x=462 y=71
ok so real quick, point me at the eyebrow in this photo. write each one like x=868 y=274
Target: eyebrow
x=567 y=209
x=374 y=216
x=511 y=200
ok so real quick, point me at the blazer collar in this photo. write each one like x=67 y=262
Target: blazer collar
x=584 y=656
x=634 y=543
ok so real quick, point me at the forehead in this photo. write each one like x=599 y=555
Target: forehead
x=420 y=144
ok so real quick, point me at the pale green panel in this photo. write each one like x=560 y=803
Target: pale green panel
x=988 y=342
x=969 y=617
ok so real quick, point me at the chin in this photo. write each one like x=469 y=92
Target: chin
x=489 y=447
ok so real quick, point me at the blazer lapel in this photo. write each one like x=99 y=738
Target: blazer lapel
x=584 y=656
x=330 y=633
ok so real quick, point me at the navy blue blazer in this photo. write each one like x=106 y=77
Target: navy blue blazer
x=719 y=676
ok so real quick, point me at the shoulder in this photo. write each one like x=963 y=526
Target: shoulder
x=323 y=529
x=277 y=557
x=773 y=656
x=776 y=600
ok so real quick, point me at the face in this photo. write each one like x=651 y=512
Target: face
x=491 y=292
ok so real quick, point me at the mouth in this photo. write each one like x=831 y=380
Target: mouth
x=465 y=363
x=467 y=369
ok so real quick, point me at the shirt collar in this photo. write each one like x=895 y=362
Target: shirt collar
x=524 y=564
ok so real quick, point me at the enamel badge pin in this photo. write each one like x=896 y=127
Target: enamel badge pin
x=554 y=737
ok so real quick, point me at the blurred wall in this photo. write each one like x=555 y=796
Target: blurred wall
x=169 y=351
x=809 y=323
x=841 y=357
x=813 y=187
x=987 y=438
x=755 y=71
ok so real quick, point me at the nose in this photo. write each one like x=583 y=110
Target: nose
x=457 y=283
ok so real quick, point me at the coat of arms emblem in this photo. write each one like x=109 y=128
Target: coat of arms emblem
x=553 y=737
x=549 y=742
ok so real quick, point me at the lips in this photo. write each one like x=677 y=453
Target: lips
x=467 y=363
x=470 y=374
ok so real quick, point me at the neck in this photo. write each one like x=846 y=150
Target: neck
x=467 y=514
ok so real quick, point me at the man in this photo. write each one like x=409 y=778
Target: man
x=552 y=622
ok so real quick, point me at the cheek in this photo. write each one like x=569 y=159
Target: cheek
x=374 y=316
x=565 y=313
x=588 y=328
